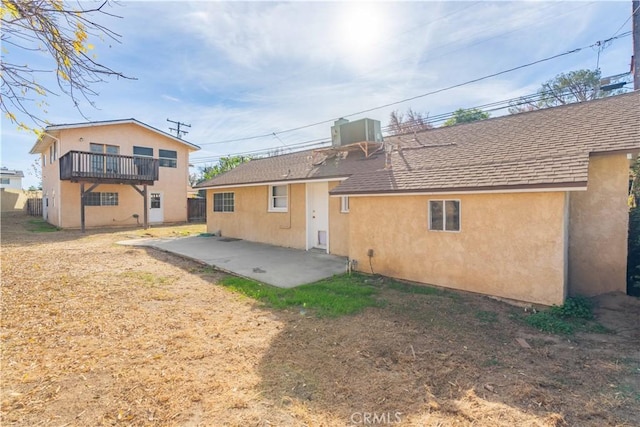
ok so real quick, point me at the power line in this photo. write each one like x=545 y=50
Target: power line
x=489 y=107
x=390 y=104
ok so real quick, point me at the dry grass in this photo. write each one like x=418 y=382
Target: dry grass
x=94 y=333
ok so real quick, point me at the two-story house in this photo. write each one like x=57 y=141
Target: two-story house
x=11 y=178
x=112 y=173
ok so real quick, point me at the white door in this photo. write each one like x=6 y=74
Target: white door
x=156 y=207
x=318 y=215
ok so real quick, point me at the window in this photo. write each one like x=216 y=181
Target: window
x=143 y=151
x=155 y=200
x=104 y=163
x=53 y=152
x=168 y=158
x=444 y=215
x=100 y=199
x=344 y=204
x=5 y=181
x=223 y=202
x=278 y=198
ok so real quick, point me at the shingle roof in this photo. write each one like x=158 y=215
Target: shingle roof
x=303 y=165
x=545 y=148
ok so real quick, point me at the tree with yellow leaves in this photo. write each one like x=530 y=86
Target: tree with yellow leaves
x=52 y=29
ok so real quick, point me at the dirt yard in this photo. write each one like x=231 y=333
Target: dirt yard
x=94 y=333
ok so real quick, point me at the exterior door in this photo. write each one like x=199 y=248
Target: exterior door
x=318 y=215
x=156 y=207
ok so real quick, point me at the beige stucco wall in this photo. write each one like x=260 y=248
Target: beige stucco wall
x=510 y=245
x=599 y=228
x=252 y=221
x=13 y=200
x=338 y=226
x=64 y=196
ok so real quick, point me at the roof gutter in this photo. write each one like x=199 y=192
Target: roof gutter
x=548 y=188
x=38 y=142
x=257 y=184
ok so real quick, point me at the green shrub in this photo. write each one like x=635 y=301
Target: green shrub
x=575 y=307
x=576 y=314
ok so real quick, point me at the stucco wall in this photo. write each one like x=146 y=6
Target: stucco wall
x=338 y=226
x=13 y=200
x=599 y=227
x=510 y=245
x=64 y=196
x=252 y=221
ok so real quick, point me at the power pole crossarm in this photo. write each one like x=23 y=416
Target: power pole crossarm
x=179 y=132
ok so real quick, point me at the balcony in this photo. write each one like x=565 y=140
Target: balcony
x=79 y=166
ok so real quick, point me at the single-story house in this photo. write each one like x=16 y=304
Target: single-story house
x=112 y=173
x=530 y=207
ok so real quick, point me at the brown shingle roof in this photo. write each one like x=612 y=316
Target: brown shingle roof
x=545 y=148
x=303 y=165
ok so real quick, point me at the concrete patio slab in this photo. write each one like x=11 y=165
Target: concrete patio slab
x=274 y=265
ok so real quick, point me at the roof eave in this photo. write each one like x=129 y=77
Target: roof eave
x=522 y=188
x=272 y=182
x=56 y=128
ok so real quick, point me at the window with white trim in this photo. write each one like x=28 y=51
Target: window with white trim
x=53 y=152
x=100 y=199
x=278 y=198
x=344 y=204
x=168 y=158
x=444 y=215
x=142 y=151
x=224 y=202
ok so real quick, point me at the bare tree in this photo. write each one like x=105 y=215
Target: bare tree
x=565 y=88
x=414 y=121
x=51 y=28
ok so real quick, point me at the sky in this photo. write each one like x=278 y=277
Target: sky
x=237 y=70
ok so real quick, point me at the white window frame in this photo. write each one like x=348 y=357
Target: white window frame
x=105 y=198
x=344 y=204
x=273 y=198
x=444 y=215
x=226 y=196
x=168 y=162
x=53 y=152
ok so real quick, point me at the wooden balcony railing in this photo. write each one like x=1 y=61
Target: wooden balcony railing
x=108 y=168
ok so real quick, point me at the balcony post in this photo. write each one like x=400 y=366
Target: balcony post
x=82 y=206
x=146 y=208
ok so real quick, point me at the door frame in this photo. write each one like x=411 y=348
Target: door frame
x=321 y=201
x=151 y=219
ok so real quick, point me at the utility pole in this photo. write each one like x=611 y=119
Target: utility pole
x=635 y=28
x=177 y=129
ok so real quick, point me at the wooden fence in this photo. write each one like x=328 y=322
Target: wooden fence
x=197 y=210
x=34 y=206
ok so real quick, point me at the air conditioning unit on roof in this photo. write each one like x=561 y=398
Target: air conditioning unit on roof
x=344 y=132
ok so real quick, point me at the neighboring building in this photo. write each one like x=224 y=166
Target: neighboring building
x=112 y=173
x=530 y=207
x=11 y=178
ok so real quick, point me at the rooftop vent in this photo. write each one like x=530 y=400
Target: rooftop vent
x=344 y=132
